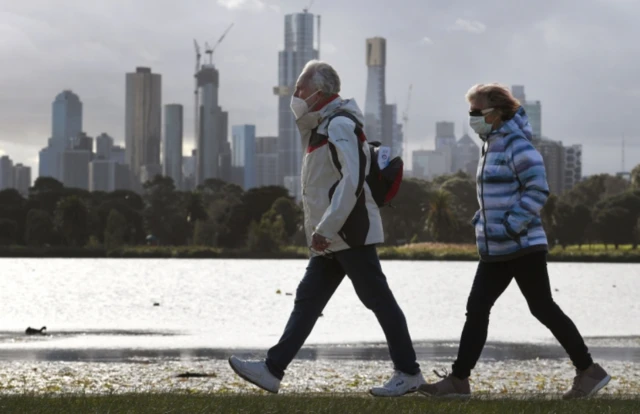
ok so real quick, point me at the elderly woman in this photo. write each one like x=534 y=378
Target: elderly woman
x=512 y=189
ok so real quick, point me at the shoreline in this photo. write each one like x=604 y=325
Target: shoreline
x=417 y=252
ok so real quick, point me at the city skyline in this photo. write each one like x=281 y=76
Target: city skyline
x=429 y=60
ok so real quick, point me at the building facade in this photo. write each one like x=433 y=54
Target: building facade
x=267 y=161
x=375 y=100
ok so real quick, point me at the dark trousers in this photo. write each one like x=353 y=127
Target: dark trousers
x=322 y=278
x=530 y=272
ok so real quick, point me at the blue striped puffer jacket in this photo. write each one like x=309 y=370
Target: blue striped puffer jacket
x=512 y=189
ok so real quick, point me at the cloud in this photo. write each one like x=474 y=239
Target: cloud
x=471 y=26
x=426 y=41
x=250 y=5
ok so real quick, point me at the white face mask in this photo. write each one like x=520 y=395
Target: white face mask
x=479 y=125
x=299 y=106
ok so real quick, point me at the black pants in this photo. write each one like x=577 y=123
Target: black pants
x=321 y=280
x=530 y=272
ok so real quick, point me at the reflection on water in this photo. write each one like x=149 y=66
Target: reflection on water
x=441 y=350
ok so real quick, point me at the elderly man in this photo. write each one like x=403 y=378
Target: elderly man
x=343 y=225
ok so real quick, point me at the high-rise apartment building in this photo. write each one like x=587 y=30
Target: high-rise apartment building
x=428 y=164
x=554 y=161
x=143 y=121
x=172 y=148
x=572 y=166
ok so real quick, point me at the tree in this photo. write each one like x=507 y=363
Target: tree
x=291 y=214
x=614 y=227
x=39 y=228
x=635 y=177
x=441 y=221
x=269 y=235
x=571 y=223
x=116 y=230
x=464 y=202
x=406 y=220
x=547 y=215
x=13 y=208
x=71 y=220
x=8 y=232
x=163 y=216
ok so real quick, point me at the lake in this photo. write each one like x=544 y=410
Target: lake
x=109 y=303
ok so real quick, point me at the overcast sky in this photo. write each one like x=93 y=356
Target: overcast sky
x=581 y=59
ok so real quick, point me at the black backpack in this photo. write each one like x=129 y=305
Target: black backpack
x=383 y=183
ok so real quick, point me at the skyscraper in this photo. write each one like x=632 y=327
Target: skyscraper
x=66 y=124
x=172 y=148
x=553 y=156
x=104 y=146
x=298 y=50
x=375 y=101
x=532 y=108
x=22 y=179
x=445 y=135
x=143 y=119
x=66 y=121
x=6 y=172
x=213 y=129
x=466 y=156
x=267 y=161
x=244 y=153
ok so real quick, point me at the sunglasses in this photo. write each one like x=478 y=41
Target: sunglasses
x=480 y=112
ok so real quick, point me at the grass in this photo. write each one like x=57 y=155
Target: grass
x=181 y=403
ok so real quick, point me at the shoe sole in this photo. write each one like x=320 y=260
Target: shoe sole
x=244 y=377
x=392 y=396
x=600 y=386
x=451 y=396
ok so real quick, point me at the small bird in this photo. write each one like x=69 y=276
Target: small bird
x=32 y=331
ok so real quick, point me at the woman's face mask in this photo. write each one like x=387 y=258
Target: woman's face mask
x=478 y=123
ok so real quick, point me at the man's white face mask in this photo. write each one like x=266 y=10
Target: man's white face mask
x=299 y=106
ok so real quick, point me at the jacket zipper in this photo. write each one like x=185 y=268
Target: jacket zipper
x=484 y=214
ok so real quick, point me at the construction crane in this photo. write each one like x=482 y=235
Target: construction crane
x=209 y=50
x=405 y=125
x=196 y=110
x=306 y=9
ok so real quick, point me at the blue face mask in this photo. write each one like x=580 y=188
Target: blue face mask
x=479 y=125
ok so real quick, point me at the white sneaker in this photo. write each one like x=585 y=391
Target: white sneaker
x=399 y=384
x=256 y=372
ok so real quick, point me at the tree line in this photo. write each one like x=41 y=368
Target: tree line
x=601 y=209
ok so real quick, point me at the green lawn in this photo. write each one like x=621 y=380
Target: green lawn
x=180 y=403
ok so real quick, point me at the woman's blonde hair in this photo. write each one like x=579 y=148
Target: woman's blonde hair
x=494 y=95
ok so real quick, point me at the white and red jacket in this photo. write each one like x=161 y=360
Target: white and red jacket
x=336 y=198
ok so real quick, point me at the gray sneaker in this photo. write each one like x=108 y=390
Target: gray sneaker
x=450 y=386
x=588 y=382
x=256 y=372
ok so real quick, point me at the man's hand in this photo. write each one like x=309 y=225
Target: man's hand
x=319 y=243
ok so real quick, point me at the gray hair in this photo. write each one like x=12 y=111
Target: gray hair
x=321 y=76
